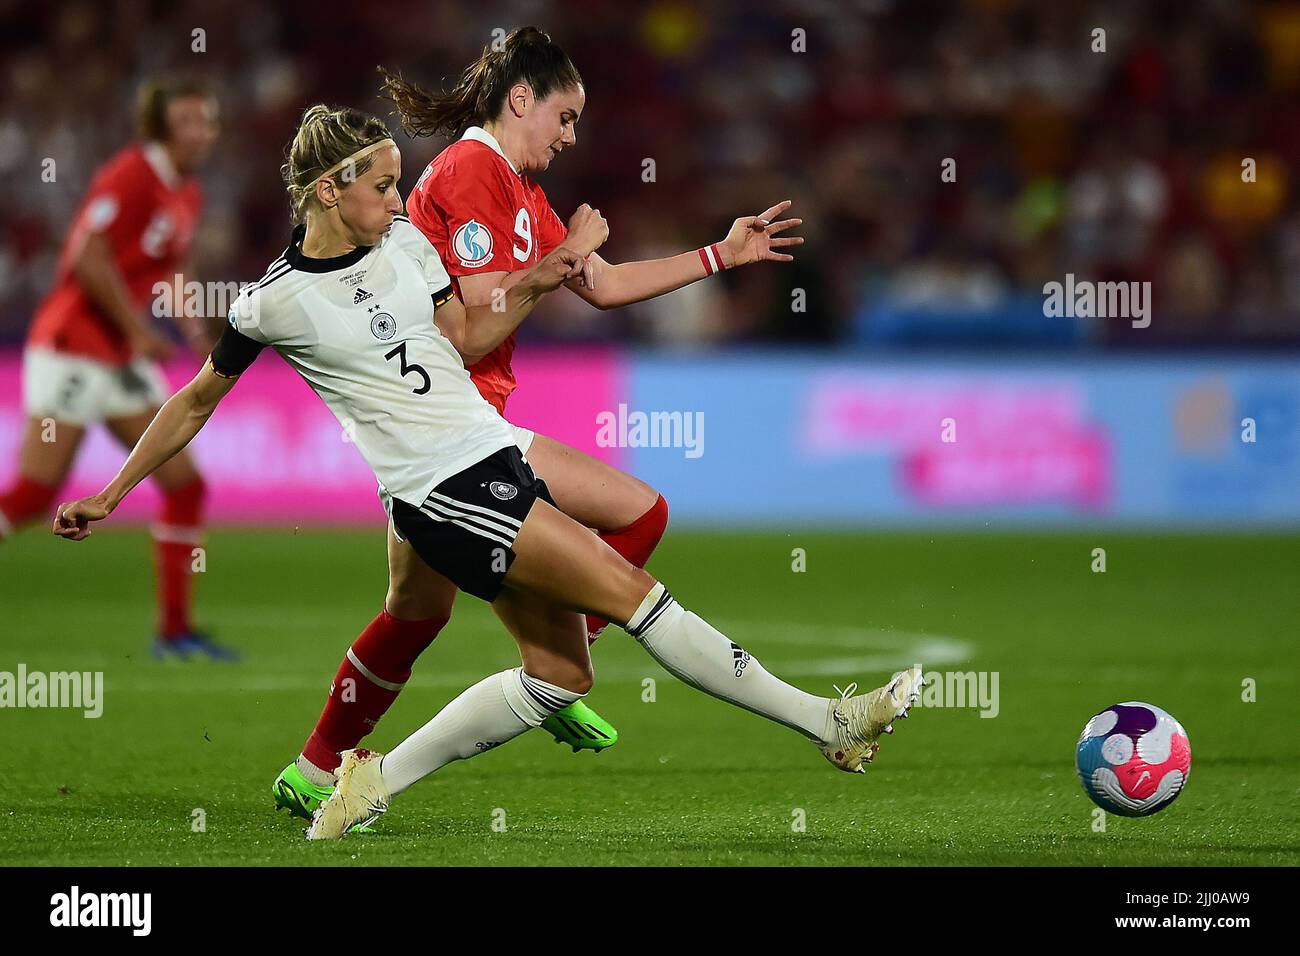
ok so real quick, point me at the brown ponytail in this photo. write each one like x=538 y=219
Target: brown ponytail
x=528 y=55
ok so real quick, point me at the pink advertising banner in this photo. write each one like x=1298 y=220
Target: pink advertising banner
x=1023 y=442
x=273 y=453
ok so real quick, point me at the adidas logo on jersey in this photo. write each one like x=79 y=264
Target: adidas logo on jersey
x=361 y=296
x=739 y=657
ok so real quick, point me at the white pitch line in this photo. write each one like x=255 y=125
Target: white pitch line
x=884 y=651
x=890 y=650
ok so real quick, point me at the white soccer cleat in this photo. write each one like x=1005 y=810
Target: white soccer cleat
x=856 y=722
x=359 y=797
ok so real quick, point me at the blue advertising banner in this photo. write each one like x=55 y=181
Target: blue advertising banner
x=765 y=439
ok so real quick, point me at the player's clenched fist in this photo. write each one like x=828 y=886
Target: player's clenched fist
x=560 y=266
x=588 y=230
x=73 y=519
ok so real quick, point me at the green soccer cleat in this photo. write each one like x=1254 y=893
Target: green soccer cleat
x=301 y=797
x=581 y=728
x=297 y=794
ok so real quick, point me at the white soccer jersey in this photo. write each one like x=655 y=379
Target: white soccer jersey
x=359 y=329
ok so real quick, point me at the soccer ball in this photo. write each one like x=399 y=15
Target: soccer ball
x=1133 y=759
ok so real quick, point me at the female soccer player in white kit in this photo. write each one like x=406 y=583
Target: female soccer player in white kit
x=513 y=111
x=462 y=493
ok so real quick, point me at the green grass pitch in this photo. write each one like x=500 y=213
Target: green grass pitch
x=1177 y=620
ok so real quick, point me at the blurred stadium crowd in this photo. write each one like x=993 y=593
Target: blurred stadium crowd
x=1125 y=164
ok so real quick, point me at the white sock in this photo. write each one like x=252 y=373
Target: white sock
x=314 y=774
x=691 y=649
x=486 y=715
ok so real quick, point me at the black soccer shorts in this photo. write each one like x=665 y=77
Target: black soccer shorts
x=465 y=530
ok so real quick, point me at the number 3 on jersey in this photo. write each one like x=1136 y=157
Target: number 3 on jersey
x=524 y=230
x=399 y=353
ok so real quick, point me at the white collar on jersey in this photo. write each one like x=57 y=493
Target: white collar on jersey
x=480 y=135
x=155 y=155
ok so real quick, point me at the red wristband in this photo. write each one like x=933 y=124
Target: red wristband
x=711 y=256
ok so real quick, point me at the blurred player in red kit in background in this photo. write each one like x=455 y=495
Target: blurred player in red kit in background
x=92 y=352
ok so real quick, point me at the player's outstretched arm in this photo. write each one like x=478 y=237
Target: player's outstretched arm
x=177 y=422
x=750 y=239
x=475 y=330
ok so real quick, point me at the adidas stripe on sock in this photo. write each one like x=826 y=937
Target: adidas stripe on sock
x=694 y=651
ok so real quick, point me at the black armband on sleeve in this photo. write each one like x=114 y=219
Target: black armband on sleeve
x=443 y=297
x=235 y=351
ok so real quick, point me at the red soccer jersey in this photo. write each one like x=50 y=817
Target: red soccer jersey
x=148 y=214
x=482 y=216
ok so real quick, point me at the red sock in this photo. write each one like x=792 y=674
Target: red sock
x=371 y=676
x=178 y=532
x=635 y=543
x=24 y=501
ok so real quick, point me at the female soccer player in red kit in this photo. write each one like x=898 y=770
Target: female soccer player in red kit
x=91 y=353
x=515 y=109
